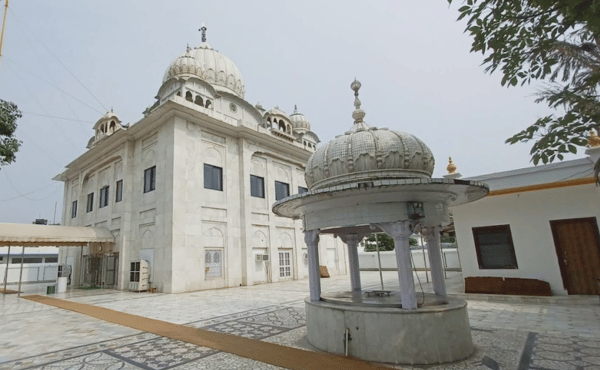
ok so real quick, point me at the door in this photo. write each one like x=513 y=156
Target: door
x=285 y=265
x=578 y=249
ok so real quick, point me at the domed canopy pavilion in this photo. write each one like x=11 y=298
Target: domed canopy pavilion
x=379 y=180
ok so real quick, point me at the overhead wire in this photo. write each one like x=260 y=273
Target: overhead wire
x=45 y=65
x=57 y=58
x=42 y=107
x=51 y=84
x=25 y=195
x=64 y=118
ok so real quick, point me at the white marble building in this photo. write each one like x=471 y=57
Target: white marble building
x=189 y=186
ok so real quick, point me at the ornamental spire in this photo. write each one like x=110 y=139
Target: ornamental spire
x=203 y=30
x=358 y=113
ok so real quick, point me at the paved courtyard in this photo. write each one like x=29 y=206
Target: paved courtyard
x=508 y=332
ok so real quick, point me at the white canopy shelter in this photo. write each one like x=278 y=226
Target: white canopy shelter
x=30 y=235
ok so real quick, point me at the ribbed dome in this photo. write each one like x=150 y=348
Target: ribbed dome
x=209 y=65
x=299 y=121
x=365 y=154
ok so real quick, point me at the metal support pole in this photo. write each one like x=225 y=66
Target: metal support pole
x=424 y=259
x=379 y=258
x=21 y=273
x=3 y=25
x=6 y=271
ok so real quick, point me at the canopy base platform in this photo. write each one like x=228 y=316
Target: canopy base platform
x=370 y=329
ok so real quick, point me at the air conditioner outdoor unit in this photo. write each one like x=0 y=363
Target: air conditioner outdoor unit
x=262 y=257
x=138 y=276
x=305 y=257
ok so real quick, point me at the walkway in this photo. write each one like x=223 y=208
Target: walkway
x=508 y=335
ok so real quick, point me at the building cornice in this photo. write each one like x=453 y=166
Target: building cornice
x=549 y=185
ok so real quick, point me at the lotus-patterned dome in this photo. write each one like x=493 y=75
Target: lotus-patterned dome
x=209 y=65
x=299 y=121
x=364 y=154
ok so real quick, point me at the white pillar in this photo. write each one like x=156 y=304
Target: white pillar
x=352 y=241
x=401 y=231
x=6 y=271
x=21 y=273
x=432 y=236
x=311 y=238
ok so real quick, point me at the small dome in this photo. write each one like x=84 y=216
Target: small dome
x=277 y=110
x=366 y=153
x=299 y=121
x=210 y=66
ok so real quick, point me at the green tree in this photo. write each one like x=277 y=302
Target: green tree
x=386 y=243
x=557 y=41
x=9 y=145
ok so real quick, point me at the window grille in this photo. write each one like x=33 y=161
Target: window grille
x=213 y=264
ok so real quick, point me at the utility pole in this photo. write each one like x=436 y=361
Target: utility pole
x=3 y=24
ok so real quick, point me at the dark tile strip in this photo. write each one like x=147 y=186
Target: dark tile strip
x=125 y=359
x=528 y=351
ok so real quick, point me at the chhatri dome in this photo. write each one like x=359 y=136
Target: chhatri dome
x=209 y=65
x=365 y=154
x=299 y=121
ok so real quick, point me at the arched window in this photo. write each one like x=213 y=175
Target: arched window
x=102 y=129
x=281 y=126
x=199 y=101
x=178 y=93
x=216 y=259
x=207 y=258
x=188 y=96
x=112 y=127
x=208 y=103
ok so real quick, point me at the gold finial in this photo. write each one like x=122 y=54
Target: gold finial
x=451 y=166
x=358 y=113
x=594 y=139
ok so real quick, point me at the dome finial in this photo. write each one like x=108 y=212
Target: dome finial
x=358 y=113
x=593 y=139
x=451 y=166
x=203 y=30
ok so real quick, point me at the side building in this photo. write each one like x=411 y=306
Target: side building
x=189 y=187
x=536 y=223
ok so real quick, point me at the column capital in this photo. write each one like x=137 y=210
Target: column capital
x=431 y=232
x=397 y=230
x=351 y=239
x=311 y=237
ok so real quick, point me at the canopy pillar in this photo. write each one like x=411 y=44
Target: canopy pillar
x=352 y=240
x=401 y=231
x=6 y=270
x=311 y=238
x=21 y=273
x=432 y=236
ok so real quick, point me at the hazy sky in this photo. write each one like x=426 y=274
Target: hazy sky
x=411 y=57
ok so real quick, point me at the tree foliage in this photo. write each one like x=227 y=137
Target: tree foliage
x=9 y=145
x=557 y=41
x=386 y=243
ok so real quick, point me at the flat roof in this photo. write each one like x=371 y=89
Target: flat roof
x=30 y=235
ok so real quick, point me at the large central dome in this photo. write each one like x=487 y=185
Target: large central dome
x=365 y=154
x=210 y=66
